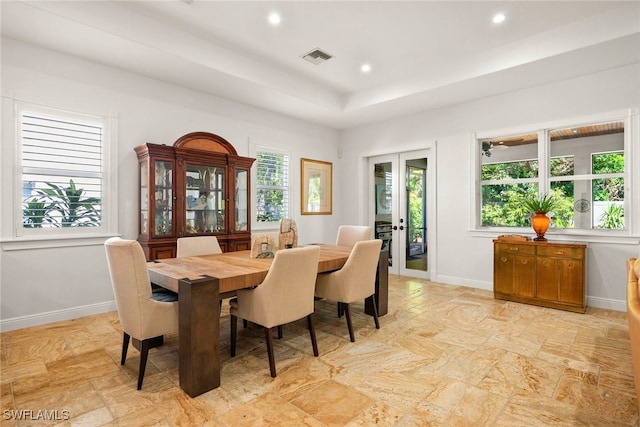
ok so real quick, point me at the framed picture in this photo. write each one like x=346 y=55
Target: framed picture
x=315 y=187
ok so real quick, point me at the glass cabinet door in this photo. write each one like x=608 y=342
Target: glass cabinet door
x=205 y=199
x=144 y=199
x=163 y=198
x=241 y=200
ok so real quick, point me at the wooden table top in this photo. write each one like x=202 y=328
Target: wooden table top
x=233 y=270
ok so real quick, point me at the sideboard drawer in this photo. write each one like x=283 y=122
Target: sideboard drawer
x=515 y=248
x=563 y=252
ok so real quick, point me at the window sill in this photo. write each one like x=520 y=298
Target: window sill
x=582 y=236
x=31 y=242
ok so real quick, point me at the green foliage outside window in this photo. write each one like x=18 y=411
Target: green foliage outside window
x=59 y=206
x=609 y=189
x=415 y=198
x=612 y=217
x=503 y=204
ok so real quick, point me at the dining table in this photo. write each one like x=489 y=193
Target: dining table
x=201 y=282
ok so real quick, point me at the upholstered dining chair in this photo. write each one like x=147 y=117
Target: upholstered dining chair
x=197 y=245
x=142 y=317
x=263 y=246
x=348 y=235
x=285 y=295
x=356 y=280
x=288 y=237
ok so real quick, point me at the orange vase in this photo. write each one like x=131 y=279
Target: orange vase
x=540 y=223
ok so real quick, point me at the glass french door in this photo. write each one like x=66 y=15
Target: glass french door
x=400 y=198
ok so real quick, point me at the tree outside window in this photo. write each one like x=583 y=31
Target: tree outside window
x=585 y=174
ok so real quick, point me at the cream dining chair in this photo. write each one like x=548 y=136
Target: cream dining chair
x=348 y=235
x=285 y=295
x=142 y=317
x=288 y=236
x=355 y=281
x=197 y=245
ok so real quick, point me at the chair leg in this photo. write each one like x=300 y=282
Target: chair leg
x=375 y=311
x=144 y=352
x=272 y=361
x=279 y=332
x=340 y=310
x=125 y=347
x=312 y=333
x=245 y=324
x=347 y=314
x=233 y=321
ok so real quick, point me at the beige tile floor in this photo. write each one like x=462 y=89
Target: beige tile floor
x=444 y=356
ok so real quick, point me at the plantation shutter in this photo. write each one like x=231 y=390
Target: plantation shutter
x=272 y=186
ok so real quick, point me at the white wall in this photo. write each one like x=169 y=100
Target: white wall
x=42 y=285
x=463 y=257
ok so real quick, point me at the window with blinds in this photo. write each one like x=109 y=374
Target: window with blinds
x=272 y=186
x=62 y=169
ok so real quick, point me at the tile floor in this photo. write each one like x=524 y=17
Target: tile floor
x=444 y=356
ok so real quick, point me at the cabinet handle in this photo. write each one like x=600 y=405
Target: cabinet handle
x=524 y=261
x=514 y=249
x=570 y=265
x=559 y=252
x=503 y=259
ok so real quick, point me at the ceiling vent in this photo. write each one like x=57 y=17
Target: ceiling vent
x=317 y=56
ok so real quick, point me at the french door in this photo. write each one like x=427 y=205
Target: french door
x=401 y=203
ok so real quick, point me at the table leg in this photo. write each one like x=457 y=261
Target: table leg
x=199 y=329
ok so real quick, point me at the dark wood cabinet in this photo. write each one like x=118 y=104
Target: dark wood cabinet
x=549 y=274
x=199 y=186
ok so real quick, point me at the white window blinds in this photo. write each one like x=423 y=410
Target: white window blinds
x=272 y=186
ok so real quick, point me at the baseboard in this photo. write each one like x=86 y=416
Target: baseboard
x=56 y=316
x=597 y=302
x=609 y=304
x=458 y=281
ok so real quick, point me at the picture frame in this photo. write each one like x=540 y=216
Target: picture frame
x=316 y=187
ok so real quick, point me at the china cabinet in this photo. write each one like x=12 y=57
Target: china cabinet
x=199 y=186
x=548 y=274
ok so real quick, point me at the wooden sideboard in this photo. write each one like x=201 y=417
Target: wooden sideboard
x=548 y=274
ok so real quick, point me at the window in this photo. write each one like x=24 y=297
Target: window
x=63 y=193
x=61 y=171
x=584 y=167
x=272 y=185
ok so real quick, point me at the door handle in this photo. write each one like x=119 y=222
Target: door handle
x=401 y=228
x=395 y=227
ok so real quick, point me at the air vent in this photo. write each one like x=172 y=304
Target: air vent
x=316 y=56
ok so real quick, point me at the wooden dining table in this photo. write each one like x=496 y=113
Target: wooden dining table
x=201 y=281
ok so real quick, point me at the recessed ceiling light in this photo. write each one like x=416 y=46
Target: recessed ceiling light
x=500 y=17
x=365 y=68
x=274 y=18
